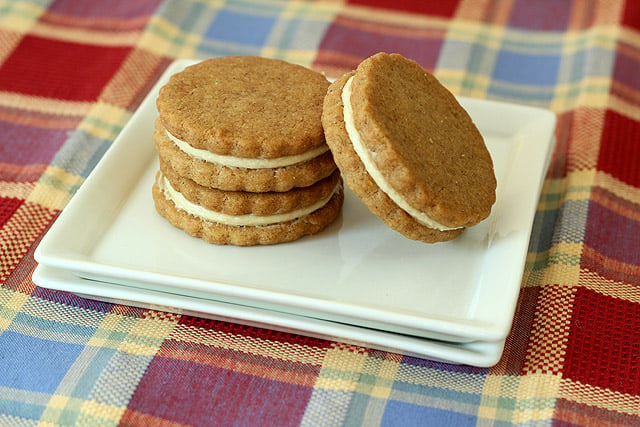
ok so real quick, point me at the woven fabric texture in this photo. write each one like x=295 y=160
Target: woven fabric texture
x=72 y=73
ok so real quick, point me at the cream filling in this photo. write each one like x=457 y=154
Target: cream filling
x=236 y=220
x=244 y=162
x=366 y=158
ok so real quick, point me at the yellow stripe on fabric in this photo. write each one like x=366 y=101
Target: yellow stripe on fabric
x=535 y=398
x=165 y=39
x=462 y=82
x=384 y=371
x=341 y=368
x=55 y=188
x=104 y=121
x=591 y=395
x=19 y=16
x=624 y=108
x=11 y=302
x=596 y=283
x=260 y=347
x=497 y=397
x=147 y=334
x=134 y=74
x=489 y=36
x=562 y=268
x=44 y=105
x=590 y=92
x=431 y=377
x=302 y=57
x=57 y=407
x=92 y=36
x=96 y=413
x=629 y=36
x=17 y=190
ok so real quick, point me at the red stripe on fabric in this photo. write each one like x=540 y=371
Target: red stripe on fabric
x=8 y=205
x=59 y=69
x=609 y=268
x=579 y=414
x=615 y=204
x=245 y=363
x=134 y=418
x=631 y=14
x=10 y=172
x=517 y=342
x=100 y=24
x=444 y=8
x=603 y=346
x=195 y=394
x=614 y=236
x=38 y=119
x=347 y=41
x=92 y=10
x=620 y=148
x=250 y=331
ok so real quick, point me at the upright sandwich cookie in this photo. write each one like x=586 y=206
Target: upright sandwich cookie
x=408 y=149
x=245 y=123
x=243 y=159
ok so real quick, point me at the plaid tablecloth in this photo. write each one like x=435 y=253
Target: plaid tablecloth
x=73 y=72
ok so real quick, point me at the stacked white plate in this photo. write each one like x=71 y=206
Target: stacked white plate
x=358 y=281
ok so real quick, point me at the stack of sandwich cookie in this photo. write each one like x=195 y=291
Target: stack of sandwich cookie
x=243 y=158
x=408 y=149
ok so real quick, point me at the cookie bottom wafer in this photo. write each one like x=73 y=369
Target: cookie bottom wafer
x=222 y=234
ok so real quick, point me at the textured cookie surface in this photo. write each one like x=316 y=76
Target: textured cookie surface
x=241 y=179
x=421 y=141
x=244 y=106
x=250 y=203
x=222 y=234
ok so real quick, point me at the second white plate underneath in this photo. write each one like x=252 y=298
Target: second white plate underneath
x=482 y=354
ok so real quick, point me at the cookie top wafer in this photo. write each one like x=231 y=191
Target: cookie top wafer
x=408 y=149
x=245 y=107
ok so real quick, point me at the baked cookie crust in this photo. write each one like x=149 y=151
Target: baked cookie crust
x=221 y=234
x=422 y=143
x=245 y=106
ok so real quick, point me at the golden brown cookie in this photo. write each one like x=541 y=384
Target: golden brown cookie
x=212 y=174
x=245 y=123
x=247 y=235
x=408 y=149
x=250 y=203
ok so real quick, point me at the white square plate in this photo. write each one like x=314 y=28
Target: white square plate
x=483 y=354
x=357 y=272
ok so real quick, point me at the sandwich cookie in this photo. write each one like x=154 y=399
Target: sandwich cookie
x=243 y=159
x=244 y=124
x=244 y=218
x=408 y=149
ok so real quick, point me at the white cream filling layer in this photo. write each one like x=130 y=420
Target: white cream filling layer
x=374 y=172
x=236 y=220
x=243 y=162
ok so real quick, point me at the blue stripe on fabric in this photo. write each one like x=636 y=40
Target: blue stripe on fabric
x=542 y=231
x=47 y=326
x=10 y=410
x=422 y=393
x=34 y=364
x=537 y=70
x=406 y=415
x=234 y=27
x=80 y=153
